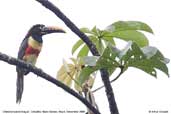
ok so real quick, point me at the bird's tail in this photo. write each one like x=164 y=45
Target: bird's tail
x=20 y=84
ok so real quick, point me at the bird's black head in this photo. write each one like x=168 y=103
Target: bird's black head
x=38 y=30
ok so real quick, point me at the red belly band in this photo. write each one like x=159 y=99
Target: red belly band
x=30 y=50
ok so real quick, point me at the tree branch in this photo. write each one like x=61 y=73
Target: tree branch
x=121 y=72
x=42 y=74
x=92 y=47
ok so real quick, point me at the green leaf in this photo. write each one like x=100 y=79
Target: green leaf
x=149 y=51
x=125 y=53
x=132 y=35
x=108 y=38
x=83 y=52
x=77 y=85
x=144 y=59
x=85 y=73
x=154 y=53
x=137 y=52
x=86 y=30
x=160 y=57
x=159 y=65
x=129 y=25
x=106 y=61
x=100 y=46
x=157 y=58
x=144 y=65
x=90 y=60
x=95 y=31
x=149 y=66
x=77 y=45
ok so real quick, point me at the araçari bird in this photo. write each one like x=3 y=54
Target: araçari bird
x=29 y=51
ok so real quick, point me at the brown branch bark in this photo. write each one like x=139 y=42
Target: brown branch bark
x=42 y=74
x=92 y=47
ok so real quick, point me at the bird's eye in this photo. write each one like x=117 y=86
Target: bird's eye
x=41 y=27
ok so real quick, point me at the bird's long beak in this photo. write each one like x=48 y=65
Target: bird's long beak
x=52 y=29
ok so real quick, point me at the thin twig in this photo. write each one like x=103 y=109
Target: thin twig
x=92 y=47
x=42 y=74
x=121 y=72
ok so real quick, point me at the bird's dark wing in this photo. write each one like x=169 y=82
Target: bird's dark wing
x=22 y=48
x=21 y=53
x=20 y=71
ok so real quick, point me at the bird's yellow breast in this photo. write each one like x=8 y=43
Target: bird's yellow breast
x=34 y=44
x=31 y=59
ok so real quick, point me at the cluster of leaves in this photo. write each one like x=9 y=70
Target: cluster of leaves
x=136 y=54
x=147 y=59
x=69 y=72
x=124 y=30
